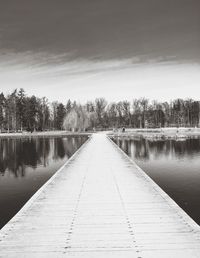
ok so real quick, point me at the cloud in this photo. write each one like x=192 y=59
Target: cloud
x=101 y=29
x=84 y=79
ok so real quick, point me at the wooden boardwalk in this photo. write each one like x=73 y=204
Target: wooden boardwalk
x=100 y=204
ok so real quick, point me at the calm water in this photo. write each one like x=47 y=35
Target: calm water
x=26 y=164
x=174 y=165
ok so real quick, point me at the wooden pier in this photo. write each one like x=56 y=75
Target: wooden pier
x=100 y=204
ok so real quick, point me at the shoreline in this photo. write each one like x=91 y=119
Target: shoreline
x=180 y=133
x=42 y=134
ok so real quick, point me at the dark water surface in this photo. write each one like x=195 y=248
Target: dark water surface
x=26 y=164
x=173 y=165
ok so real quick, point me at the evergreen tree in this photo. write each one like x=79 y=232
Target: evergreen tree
x=2 y=111
x=21 y=104
x=60 y=114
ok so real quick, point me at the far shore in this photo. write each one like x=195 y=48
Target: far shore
x=149 y=133
x=159 y=133
x=41 y=134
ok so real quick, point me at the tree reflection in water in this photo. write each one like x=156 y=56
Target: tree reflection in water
x=143 y=149
x=18 y=154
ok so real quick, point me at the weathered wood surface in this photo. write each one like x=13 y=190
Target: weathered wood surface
x=100 y=204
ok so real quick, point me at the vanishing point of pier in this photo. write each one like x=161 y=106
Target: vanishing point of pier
x=100 y=204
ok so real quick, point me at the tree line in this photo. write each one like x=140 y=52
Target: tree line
x=20 y=112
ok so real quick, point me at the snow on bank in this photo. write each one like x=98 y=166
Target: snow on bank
x=161 y=133
x=41 y=134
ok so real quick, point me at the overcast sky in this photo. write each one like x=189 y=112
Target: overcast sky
x=118 y=49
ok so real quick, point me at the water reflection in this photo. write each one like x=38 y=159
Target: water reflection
x=144 y=149
x=26 y=164
x=16 y=154
x=174 y=165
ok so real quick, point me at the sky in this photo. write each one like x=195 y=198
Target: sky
x=117 y=49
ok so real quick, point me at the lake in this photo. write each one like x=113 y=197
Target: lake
x=173 y=164
x=26 y=164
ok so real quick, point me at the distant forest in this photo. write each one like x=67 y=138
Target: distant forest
x=20 y=112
